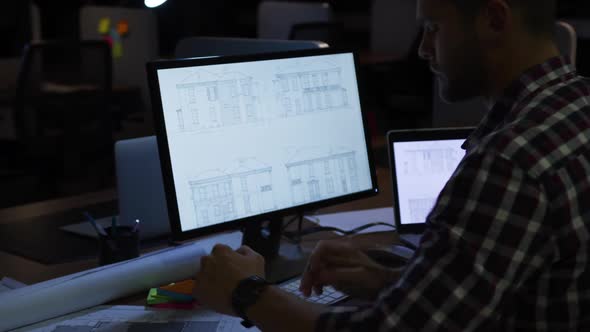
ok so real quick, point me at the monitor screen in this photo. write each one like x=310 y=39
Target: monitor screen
x=422 y=168
x=247 y=136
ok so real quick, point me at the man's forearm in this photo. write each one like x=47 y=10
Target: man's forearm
x=277 y=310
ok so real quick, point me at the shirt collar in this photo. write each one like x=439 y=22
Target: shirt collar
x=532 y=81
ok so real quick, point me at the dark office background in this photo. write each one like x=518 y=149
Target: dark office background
x=178 y=19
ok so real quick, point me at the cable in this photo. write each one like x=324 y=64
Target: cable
x=292 y=236
x=297 y=215
x=296 y=235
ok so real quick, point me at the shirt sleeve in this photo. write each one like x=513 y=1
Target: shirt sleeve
x=484 y=239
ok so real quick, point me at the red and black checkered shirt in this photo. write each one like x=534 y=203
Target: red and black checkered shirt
x=507 y=243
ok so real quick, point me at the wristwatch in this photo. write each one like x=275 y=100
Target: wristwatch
x=246 y=294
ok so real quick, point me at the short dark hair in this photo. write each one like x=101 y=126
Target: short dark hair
x=539 y=15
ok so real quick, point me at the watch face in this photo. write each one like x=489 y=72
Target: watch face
x=247 y=292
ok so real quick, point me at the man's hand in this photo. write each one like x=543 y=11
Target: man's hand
x=339 y=264
x=220 y=273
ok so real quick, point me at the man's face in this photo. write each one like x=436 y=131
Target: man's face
x=451 y=45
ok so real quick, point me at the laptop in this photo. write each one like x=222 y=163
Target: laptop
x=421 y=162
x=140 y=186
x=140 y=190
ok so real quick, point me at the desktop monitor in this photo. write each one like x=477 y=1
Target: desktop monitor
x=247 y=139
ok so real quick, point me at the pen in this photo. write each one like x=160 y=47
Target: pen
x=136 y=226
x=96 y=225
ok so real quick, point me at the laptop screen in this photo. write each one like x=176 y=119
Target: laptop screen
x=421 y=166
x=422 y=169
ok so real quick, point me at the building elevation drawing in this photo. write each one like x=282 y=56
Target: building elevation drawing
x=420 y=208
x=427 y=161
x=209 y=100
x=316 y=176
x=308 y=91
x=219 y=195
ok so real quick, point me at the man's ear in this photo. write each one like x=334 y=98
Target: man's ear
x=494 y=22
x=498 y=15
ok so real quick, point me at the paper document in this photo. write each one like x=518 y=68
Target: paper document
x=137 y=318
x=8 y=284
x=353 y=219
x=60 y=296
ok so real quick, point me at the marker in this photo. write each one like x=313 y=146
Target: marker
x=96 y=225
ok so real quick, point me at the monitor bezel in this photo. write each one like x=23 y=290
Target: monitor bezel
x=162 y=139
x=396 y=136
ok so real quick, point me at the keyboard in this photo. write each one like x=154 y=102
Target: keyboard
x=329 y=296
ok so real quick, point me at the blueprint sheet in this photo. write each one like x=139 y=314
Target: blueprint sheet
x=87 y=289
x=8 y=284
x=139 y=318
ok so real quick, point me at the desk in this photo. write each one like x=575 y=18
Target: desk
x=29 y=271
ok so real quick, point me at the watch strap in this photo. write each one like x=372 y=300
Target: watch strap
x=246 y=294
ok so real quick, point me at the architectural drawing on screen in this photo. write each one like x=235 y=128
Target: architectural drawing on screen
x=221 y=195
x=316 y=89
x=209 y=100
x=430 y=161
x=316 y=174
x=420 y=208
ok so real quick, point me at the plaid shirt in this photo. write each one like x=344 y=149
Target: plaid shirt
x=507 y=243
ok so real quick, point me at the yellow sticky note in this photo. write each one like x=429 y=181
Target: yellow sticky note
x=117 y=49
x=104 y=25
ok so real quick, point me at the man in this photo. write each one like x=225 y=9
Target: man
x=507 y=243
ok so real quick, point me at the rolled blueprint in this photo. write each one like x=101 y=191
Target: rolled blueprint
x=60 y=296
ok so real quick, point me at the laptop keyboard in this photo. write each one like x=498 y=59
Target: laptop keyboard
x=329 y=296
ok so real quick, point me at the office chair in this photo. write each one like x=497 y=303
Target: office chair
x=275 y=18
x=401 y=86
x=566 y=40
x=582 y=28
x=331 y=33
x=62 y=112
x=35 y=22
x=393 y=28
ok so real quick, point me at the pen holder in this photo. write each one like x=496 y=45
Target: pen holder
x=118 y=246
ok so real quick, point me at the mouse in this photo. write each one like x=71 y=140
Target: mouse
x=393 y=256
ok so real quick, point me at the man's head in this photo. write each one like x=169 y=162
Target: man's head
x=468 y=42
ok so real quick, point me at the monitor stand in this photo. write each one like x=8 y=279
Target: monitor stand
x=283 y=260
